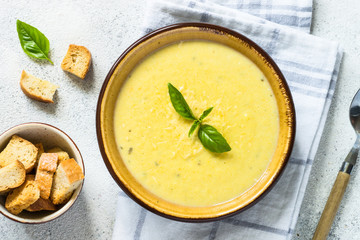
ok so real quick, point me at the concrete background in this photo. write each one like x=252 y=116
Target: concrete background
x=107 y=28
x=335 y=20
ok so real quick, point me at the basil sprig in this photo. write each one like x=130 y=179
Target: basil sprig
x=33 y=42
x=210 y=138
x=179 y=103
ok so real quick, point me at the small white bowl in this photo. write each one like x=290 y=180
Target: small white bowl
x=49 y=136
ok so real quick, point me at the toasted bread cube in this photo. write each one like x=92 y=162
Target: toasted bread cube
x=37 y=88
x=68 y=177
x=12 y=176
x=44 y=173
x=62 y=155
x=22 y=197
x=48 y=162
x=77 y=61
x=40 y=205
x=21 y=150
x=40 y=148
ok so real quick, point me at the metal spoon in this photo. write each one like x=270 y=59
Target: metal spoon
x=342 y=179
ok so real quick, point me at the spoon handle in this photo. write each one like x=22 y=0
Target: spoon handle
x=332 y=205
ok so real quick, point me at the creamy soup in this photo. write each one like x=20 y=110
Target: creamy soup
x=153 y=138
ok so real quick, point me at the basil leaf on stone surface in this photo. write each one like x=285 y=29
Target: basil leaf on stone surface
x=33 y=42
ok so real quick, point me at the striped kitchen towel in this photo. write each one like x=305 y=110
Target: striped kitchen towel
x=310 y=65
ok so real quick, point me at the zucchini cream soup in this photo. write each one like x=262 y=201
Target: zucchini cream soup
x=153 y=138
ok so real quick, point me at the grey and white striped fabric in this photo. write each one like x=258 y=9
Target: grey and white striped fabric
x=293 y=13
x=310 y=65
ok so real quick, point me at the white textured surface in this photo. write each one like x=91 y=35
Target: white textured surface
x=335 y=20
x=107 y=28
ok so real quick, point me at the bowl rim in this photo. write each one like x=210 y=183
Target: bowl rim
x=25 y=220
x=262 y=52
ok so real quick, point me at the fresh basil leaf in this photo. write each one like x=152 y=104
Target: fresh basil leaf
x=32 y=41
x=179 y=103
x=205 y=114
x=212 y=140
x=193 y=127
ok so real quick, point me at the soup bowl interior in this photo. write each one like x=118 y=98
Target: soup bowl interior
x=113 y=84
